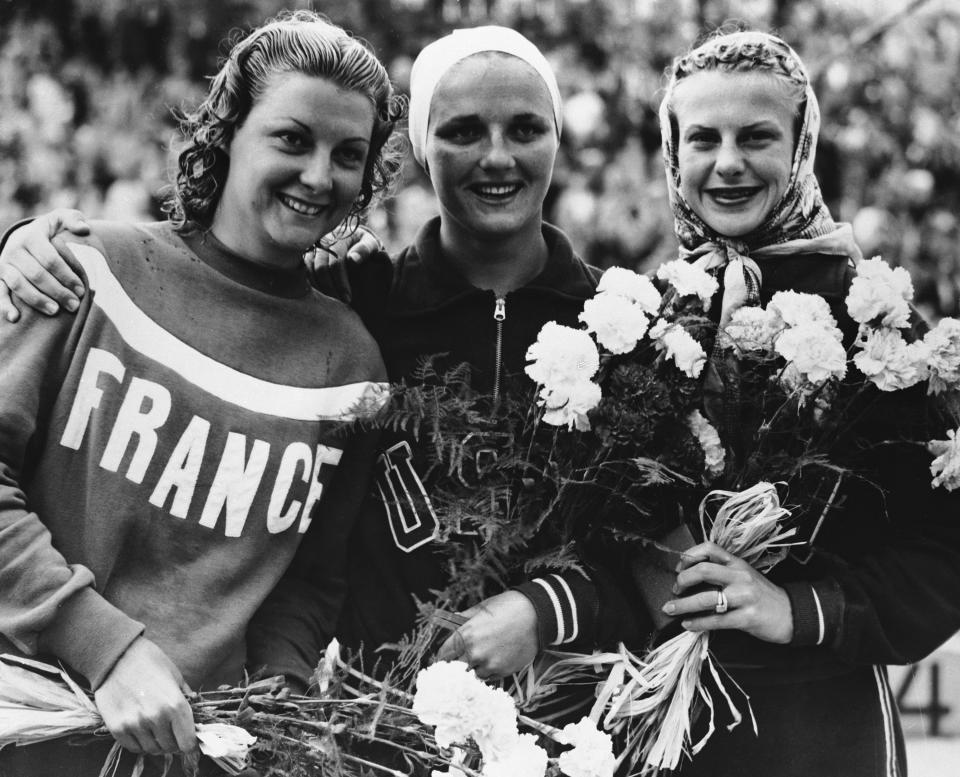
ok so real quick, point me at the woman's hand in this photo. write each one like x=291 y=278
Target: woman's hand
x=143 y=704
x=499 y=638
x=356 y=247
x=35 y=271
x=753 y=603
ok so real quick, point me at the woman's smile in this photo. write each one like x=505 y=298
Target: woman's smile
x=733 y=195
x=496 y=193
x=301 y=207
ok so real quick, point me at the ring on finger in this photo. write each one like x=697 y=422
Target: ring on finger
x=722 y=604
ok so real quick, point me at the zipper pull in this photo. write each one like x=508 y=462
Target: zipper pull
x=500 y=309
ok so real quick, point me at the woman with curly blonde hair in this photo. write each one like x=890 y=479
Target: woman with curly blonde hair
x=165 y=452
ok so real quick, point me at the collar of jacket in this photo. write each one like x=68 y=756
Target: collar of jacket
x=424 y=281
x=825 y=274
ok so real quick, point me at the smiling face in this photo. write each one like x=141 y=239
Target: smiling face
x=734 y=147
x=491 y=145
x=296 y=166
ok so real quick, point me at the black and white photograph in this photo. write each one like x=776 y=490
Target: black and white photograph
x=480 y=388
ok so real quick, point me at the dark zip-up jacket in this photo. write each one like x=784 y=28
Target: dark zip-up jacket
x=417 y=305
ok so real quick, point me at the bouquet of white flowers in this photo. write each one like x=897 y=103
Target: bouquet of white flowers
x=596 y=455
x=793 y=403
x=647 y=417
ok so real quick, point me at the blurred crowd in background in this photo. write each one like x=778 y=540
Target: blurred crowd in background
x=87 y=88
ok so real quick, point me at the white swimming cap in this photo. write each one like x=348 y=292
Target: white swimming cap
x=438 y=57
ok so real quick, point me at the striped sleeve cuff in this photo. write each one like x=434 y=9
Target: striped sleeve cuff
x=567 y=607
x=817 y=609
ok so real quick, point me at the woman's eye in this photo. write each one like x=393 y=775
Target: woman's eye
x=293 y=140
x=702 y=139
x=461 y=134
x=528 y=132
x=759 y=137
x=352 y=157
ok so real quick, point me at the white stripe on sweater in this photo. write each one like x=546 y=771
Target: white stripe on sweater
x=143 y=334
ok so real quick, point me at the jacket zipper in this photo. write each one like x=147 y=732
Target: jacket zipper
x=499 y=315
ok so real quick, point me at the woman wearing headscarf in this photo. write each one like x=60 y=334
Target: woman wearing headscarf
x=879 y=583
x=477 y=285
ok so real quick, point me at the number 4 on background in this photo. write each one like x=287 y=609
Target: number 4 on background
x=933 y=711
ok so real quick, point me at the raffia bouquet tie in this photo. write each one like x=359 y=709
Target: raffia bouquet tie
x=654 y=699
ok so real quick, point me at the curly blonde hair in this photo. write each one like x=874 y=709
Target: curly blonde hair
x=293 y=42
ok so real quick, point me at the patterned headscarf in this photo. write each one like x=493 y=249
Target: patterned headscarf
x=799 y=222
x=433 y=62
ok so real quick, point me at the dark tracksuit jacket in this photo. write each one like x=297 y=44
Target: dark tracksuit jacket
x=882 y=586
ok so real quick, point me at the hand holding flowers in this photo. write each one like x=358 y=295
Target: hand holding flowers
x=756 y=606
x=498 y=638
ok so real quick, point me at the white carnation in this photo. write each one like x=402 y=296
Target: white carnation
x=686 y=352
x=524 y=758
x=617 y=322
x=945 y=468
x=567 y=404
x=626 y=283
x=752 y=328
x=814 y=351
x=561 y=355
x=887 y=361
x=689 y=280
x=709 y=439
x=880 y=293
x=221 y=740
x=943 y=350
x=451 y=697
x=592 y=753
x=495 y=730
x=795 y=308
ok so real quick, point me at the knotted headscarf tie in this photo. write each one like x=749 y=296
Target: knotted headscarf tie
x=742 y=277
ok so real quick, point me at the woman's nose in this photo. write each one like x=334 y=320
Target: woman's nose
x=729 y=159
x=497 y=154
x=316 y=173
